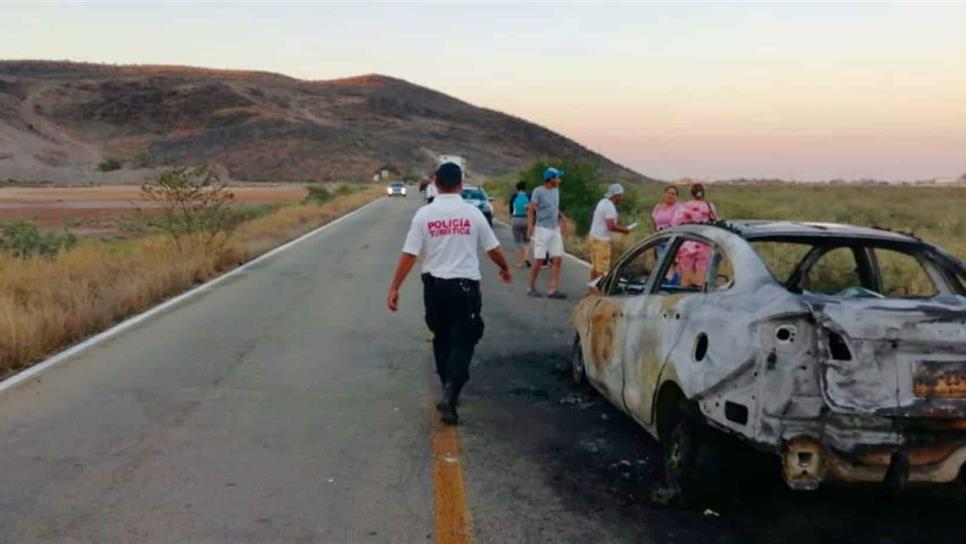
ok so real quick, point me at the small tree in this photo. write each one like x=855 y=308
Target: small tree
x=195 y=204
x=109 y=165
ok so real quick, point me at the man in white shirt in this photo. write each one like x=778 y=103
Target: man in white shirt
x=601 y=229
x=431 y=191
x=451 y=232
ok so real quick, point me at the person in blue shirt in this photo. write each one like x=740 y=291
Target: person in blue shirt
x=518 y=222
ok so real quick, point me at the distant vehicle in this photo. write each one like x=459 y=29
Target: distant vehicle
x=478 y=197
x=396 y=188
x=456 y=159
x=840 y=349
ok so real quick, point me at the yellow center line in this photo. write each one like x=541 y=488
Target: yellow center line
x=452 y=517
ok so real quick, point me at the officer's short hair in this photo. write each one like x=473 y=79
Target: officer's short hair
x=448 y=176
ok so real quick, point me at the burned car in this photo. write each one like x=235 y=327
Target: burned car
x=841 y=349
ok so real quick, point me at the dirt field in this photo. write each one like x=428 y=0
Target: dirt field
x=102 y=211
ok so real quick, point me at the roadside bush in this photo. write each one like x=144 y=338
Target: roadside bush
x=318 y=193
x=24 y=240
x=109 y=165
x=580 y=188
x=195 y=206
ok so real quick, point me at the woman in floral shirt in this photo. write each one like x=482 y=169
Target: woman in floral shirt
x=662 y=216
x=693 y=257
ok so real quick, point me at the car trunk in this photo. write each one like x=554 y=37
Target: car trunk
x=894 y=357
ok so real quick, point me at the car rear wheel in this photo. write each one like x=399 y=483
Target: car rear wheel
x=691 y=456
x=577 y=368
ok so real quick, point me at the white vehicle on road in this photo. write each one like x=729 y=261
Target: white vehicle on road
x=396 y=188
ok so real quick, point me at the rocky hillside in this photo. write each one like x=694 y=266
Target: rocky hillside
x=59 y=120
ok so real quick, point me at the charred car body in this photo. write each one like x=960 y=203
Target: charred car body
x=841 y=349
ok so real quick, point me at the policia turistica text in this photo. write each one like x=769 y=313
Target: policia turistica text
x=451 y=232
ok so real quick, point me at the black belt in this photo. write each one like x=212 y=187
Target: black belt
x=460 y=281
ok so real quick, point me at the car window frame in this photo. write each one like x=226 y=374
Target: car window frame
x=926 y=267
x=649 y=244
x=668 y=258
x=865 y=265
x=711 y=274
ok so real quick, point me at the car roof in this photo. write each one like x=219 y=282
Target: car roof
x=759 y=229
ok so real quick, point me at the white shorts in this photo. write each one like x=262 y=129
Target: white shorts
x=547 y=243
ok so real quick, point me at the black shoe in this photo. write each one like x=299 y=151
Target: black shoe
x=447 y=404
x=448 y=415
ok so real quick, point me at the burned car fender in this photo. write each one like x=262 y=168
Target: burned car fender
x=758 y=370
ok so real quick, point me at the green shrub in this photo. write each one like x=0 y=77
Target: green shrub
x=24 y=240
x=109 y=165
x=318 y=194
x=193 y=201
x=580 y=188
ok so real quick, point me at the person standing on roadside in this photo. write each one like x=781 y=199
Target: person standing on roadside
x=693 y=257
x=519 y=202
x=451 y=232
x=431 y=191
x=603 y=225
x=543 y=227
x=662 y=216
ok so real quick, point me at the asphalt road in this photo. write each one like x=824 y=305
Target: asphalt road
x=288 y=405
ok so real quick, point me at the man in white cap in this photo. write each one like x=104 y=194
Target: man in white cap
x=602 y=227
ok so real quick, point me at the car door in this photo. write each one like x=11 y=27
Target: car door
x=606 y=326
x=655 y=326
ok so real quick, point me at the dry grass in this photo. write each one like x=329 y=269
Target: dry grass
x=47 y=304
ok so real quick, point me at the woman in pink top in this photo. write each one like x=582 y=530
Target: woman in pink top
x=662 y=216
x=693 y=257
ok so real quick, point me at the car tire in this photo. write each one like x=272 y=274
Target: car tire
x=577 y=369
x=691 y=457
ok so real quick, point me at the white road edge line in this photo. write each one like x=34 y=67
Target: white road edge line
x=570 y=255
x=57 y=358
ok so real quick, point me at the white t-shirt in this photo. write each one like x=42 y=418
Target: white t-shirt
x=605 y=210
x=431 y=190
x=451 y=232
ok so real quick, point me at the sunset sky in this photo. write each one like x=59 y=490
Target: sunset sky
x=803 y=91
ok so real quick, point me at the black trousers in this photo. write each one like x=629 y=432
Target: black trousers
x=453 y=315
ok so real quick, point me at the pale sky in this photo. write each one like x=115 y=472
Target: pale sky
x=803 y=91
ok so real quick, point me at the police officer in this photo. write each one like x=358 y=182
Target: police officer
x=451 y=232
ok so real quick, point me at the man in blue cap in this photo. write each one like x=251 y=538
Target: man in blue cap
x=543 y=217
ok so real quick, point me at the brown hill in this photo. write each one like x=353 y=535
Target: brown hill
x=58 y=120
